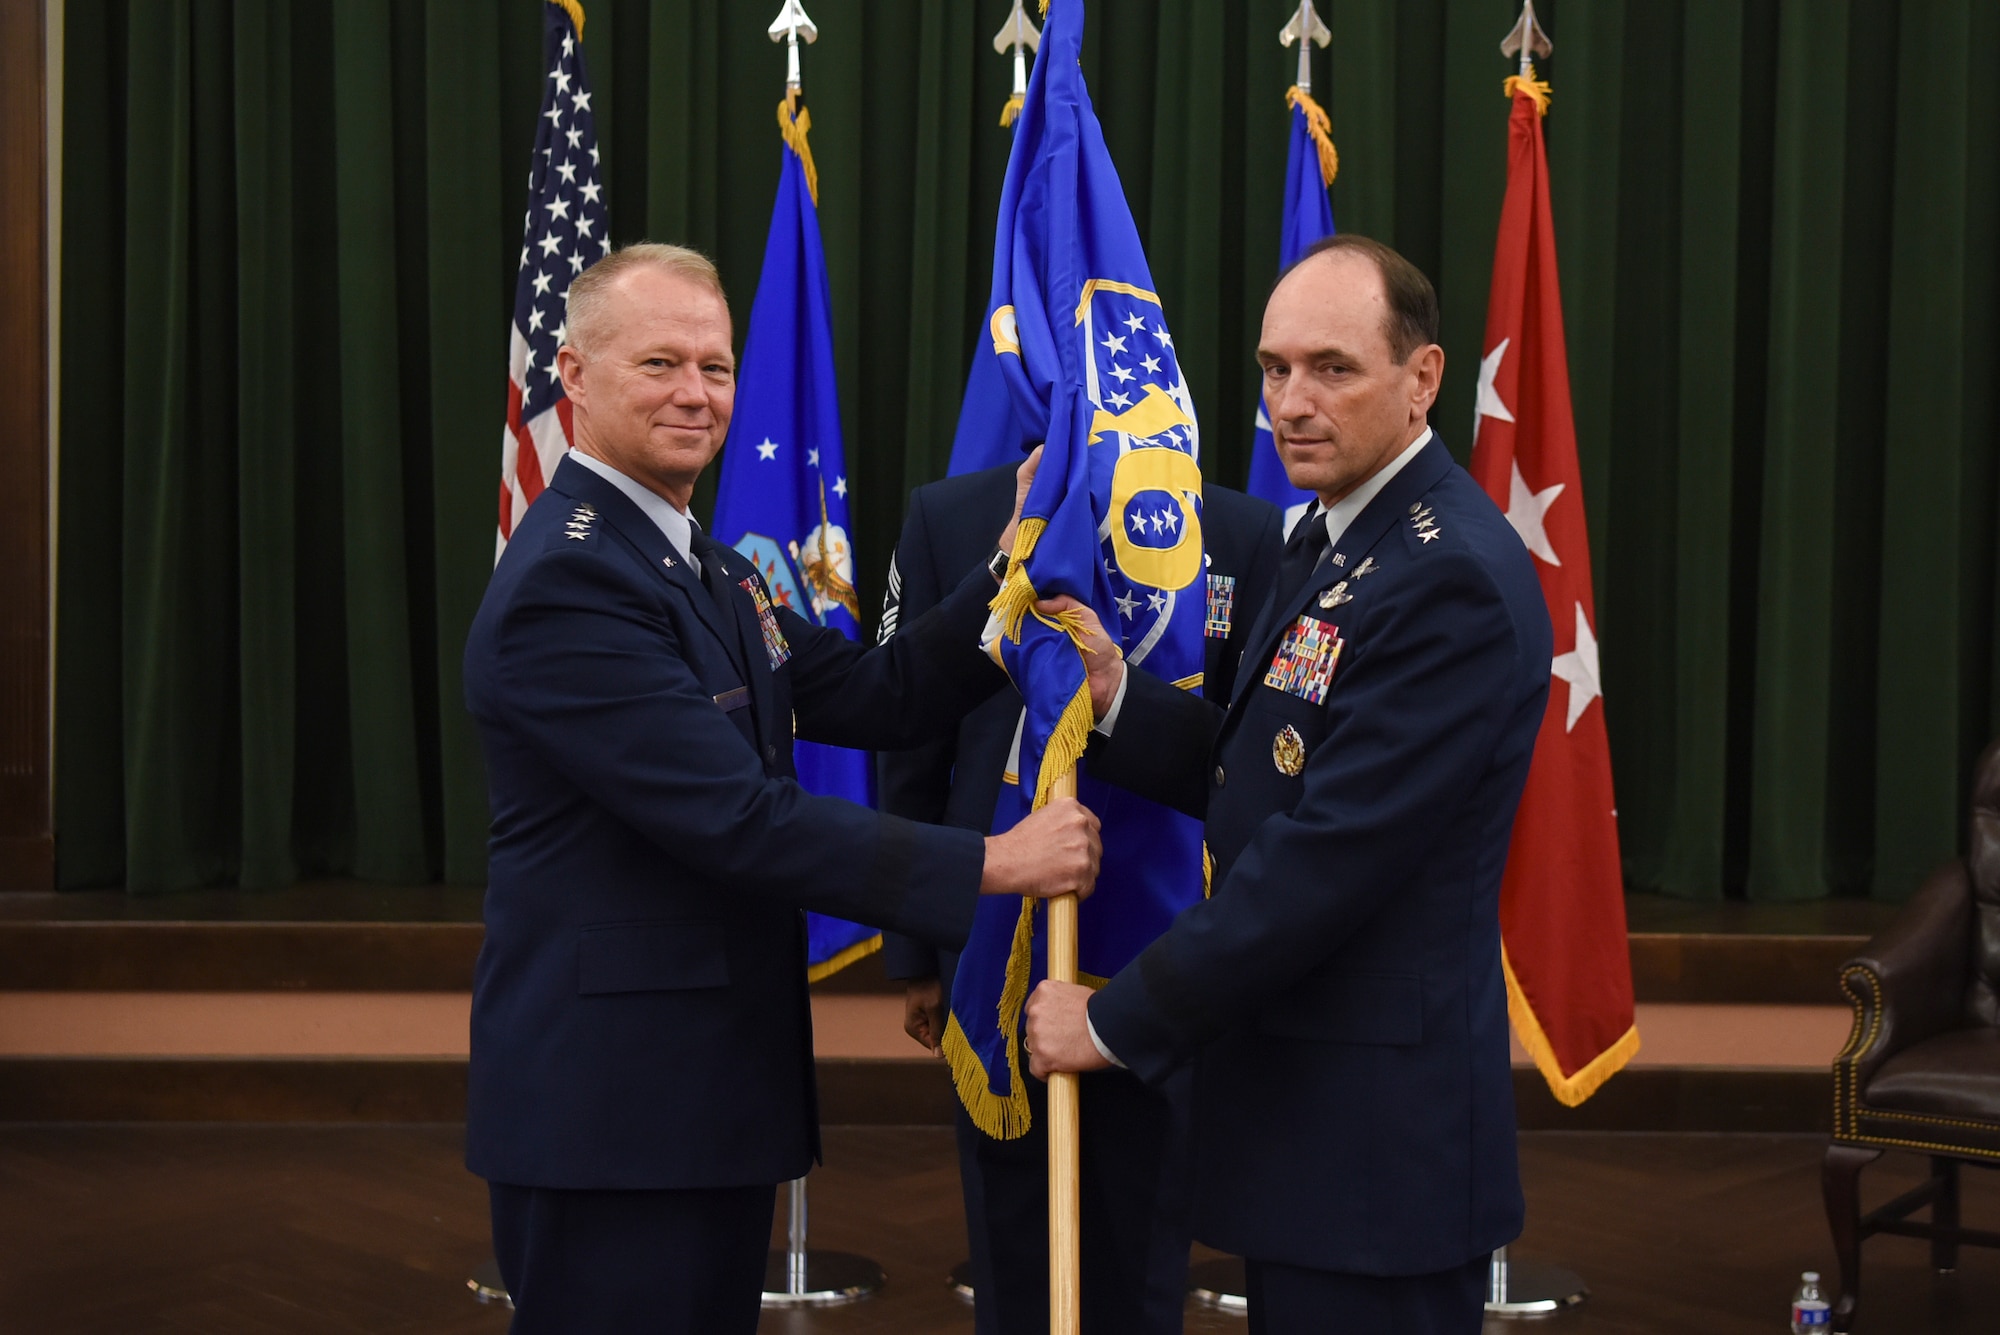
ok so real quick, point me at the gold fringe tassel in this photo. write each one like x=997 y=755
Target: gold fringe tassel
x=1207 y=870
x=860 y=950
x=1570 y=1090
x=1066 y=743
x=1320 y=126
x=1010 y=109
x=574 y=8
x=793 y=122
x=1017 y=595
x=1520 y=84
x=1005 y=1118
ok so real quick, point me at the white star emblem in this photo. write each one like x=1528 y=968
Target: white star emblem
x=1121 y=399
x=1158 y=523
x=555 y=372
x=558 y=207
x=550 y=244
x=1138 y=523
x=1489 y=404
x=583 y=225
x=541 y=284
x=562 y=332
x=1578 y=667
x=534 y=319
x=575 y=262
x=561 y=76
x=812 y=458
x=1525 y=509
x=1152 y=364
x=593 y=155
x=840 y=487
x=1115 y=343
x=1127 y=605
x=553 y=115
x=524 y=257
x=567 y=171
x=589 y=190
x=1121 y=373
x=767 y=449
x=575 y=137
x=1156 y=601
x=1173 y=522
x=1166 y=339
x=568 y=44
x=1134 y=323
x=580 y=100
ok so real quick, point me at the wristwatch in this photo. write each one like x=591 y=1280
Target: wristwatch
x=997 y=564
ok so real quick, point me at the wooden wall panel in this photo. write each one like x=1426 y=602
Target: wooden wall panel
x=26 y=846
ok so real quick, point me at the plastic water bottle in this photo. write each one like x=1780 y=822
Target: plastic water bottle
x=1810 y=1310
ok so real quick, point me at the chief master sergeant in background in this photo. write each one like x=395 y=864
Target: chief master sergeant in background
x=1340 y=996
x=1134 y=1160
x=642 y=1068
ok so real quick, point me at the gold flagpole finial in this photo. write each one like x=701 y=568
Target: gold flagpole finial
x=1526 y=40
x=1307 y=31
x=1017 y=35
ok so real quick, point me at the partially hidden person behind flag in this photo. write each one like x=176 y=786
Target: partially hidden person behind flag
x=782 y=499
x=1340 y=997
x=642 y=1063
x=1562 y=905
x=1135 y=1153
x=1310 y=166
x=1114 y=521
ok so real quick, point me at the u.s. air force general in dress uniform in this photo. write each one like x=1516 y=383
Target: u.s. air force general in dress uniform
x=642 y=1066
x=1340 y=996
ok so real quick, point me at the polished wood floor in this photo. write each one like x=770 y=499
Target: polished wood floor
x=290 y=1230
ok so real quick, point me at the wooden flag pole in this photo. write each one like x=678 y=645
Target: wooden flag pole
x=1065 y=1227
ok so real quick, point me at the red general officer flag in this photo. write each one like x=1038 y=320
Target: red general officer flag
x=1562 y=906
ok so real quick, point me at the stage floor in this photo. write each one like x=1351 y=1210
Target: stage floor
x=298 y=1230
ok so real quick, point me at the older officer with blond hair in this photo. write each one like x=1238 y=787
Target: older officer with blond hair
x=642 y=1063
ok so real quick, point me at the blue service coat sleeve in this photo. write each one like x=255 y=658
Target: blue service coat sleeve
x=1161 y=744
x=619 y=714
x=1412 y=723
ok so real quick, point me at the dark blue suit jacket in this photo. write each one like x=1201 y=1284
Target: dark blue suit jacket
x=947 y=532
x=1341 y=993
x=640 y=1016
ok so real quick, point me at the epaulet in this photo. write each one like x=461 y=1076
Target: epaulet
x=1423 y=525
x=582 y=523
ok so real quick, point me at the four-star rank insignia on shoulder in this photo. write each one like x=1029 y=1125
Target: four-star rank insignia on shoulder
x=1304 y=663
x=1422 y=523
x=775 y=647
x=1221 y=604
x=580 y=521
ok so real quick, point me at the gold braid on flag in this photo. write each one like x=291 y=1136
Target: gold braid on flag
x=1570 y=1090
x=1527 y=84
x=833 y=964
x=1005 y=1117
x=1320 y=126
x=1010 y=108
x=793 y=122
x=574 y=8
x=1017 y=594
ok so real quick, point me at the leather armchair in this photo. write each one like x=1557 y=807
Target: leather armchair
x=1921 y=1068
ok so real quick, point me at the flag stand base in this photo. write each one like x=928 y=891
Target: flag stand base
x=1219 y=1284
x=796 y=1277
x=488 y=1287
x=960 y=1280
x=1530 y=1288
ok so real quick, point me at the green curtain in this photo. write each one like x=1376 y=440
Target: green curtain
x=289 y=231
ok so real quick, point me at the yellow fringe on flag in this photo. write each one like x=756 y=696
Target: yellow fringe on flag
x=1570 y=1090
x=1207 y=870
x=1010 y=109
x=574 y=8
x=1001 y=1118
x=1066 y=743
x=1320 y=126
x=1017 y=594
x=833 y=964
x=793 y=122
x=1518 y=84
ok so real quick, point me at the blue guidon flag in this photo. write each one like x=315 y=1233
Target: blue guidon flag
x=782 y=498
x=1114 y=520
x=1310 y=164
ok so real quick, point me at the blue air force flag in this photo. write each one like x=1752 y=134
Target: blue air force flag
x=1113 y=519
x=1308 y=217
x=782 y=498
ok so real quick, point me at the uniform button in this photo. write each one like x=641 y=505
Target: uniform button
x=1218 y=776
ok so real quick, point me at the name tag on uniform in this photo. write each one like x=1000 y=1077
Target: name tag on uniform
x=1303 y=665
x=775 y=647
x=1221 y=605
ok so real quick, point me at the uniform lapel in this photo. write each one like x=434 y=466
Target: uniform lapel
x=731 y=570
x=573 y=479
x=1418 y=476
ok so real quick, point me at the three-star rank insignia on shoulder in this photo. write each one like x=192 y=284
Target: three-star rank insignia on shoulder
x=1422 y=523
x=1304 y=663
x=580 y=521
x=1288 y=752
x=1221 y=606
x=775 y=647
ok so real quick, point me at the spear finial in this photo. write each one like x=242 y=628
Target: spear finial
x=1306 y=30
x=1018 y=35
x=791 y=24
x=1527 y=39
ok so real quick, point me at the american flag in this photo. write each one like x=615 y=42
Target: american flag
x=566 y=230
